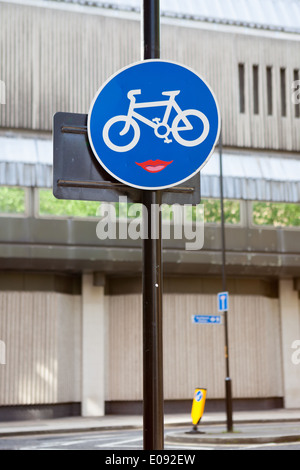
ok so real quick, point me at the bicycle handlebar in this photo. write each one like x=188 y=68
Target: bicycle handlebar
x=131 y=93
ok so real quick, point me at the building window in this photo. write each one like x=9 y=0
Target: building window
x=242 y=88
x=12 y=200
x=269 y=91
x=255 y=71
x=283 y=91
x=297 y=105
x=276 y=214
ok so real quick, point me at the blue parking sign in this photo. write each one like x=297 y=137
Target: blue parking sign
x=154 y=124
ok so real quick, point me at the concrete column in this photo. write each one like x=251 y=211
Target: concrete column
x=290 y=332
x=93 y=347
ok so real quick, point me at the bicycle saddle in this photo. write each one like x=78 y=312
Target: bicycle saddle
x=171 y=93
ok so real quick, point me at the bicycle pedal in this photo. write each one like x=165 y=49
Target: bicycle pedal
x=157 y=120
x=167 y=141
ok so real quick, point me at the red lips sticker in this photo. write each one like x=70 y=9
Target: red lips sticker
x=154 y=166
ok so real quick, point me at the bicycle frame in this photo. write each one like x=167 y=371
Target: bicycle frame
x=169 y=104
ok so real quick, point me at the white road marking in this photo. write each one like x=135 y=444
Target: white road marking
x=119 y=443
x=255 y=446
x=183 y=447
x=76 y=443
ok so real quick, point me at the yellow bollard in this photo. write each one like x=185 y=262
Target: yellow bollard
x=198 y=407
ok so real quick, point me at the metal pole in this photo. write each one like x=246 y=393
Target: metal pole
x=228 y=388
x=153 y=414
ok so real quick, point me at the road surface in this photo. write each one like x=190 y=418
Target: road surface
x=119 y=441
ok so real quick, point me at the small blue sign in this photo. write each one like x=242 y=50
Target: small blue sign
x=223 y=301
x=154 y=124
x=199 y=396
x=207 y=319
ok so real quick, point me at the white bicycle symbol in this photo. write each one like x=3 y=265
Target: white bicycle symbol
x=161 y=128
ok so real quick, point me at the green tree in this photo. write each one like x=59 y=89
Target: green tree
x=12 y=200
x=276 y=214
x=49 y=205
x=212 y=211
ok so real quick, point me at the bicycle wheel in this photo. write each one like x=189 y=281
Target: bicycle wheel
x=176 y=130
x=127 y=146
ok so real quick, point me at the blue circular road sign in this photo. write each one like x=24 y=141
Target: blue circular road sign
x=154 y=124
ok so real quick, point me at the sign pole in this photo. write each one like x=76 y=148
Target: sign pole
x=153 y=414
x=228 y=388
x=186 y=124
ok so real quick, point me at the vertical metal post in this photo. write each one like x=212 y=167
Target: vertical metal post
x=228 y=388
x=153 y=415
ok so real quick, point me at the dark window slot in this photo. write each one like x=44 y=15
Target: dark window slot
x=242 y=88
x=283 y=92
x=269 y=91
x=255 y=89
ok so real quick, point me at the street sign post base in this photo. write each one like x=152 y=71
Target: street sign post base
x=228 y=389
x=195 y=430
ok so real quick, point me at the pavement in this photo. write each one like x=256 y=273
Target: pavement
x=269 y=426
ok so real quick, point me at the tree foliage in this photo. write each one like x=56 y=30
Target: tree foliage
x=12 y=200
x=276 y=214
x=212 y=211
x=49 y=205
